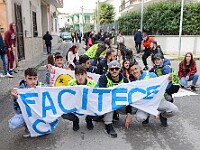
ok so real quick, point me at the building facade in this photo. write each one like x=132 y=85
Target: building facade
x=32 y=18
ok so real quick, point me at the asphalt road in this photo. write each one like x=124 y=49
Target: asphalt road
x=183 y=132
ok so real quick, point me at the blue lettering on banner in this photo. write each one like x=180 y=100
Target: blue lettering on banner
x=60 y=100
x=133 y=91
x=46 y=96
x=100 y=96
x=85 y=98
x=151 y=89
x=27 y=101
x=52 y=126
x=117 y=98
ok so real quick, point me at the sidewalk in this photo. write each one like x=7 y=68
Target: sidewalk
x=38 y=60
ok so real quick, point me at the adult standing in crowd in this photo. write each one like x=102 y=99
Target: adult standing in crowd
x=100 y=36
x=120 y=39
x=10 y=41
x=147 y=49
x=4 y=57
x=72 y=57
x=47 y=38
x=138 y=40
x=79 y=36
x=188 y=71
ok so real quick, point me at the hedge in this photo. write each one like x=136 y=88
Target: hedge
x=163 y=19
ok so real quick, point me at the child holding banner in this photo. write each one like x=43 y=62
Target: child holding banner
x=80 y=79
x=59 y=62
x=30 y=81
x=166 y=108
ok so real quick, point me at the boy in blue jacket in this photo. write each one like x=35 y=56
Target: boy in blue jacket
x=30 y=81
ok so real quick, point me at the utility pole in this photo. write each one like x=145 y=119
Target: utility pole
x=142 y=14
x=82 y=21
x=180 y=29
x=98 y=17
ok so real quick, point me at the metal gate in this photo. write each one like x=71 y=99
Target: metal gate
x=19 y=28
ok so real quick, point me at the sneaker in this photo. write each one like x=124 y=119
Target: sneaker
x=14 y=71
x=168 y=97
x=110 y=130
x=9 y=75
x=115 y=116
x=27 y=133
x=89 y=123
x=163 y=121
x=10 y=72
x=76 y=125
x=1 y=75
x=146 y=122
x=193 y=88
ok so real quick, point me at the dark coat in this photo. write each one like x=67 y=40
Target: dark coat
x=138 y=37
x=47 y=37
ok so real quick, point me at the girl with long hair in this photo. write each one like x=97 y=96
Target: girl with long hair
x=188 y=71
x=72 y=57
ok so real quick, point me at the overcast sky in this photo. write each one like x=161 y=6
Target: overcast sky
x=71 y=6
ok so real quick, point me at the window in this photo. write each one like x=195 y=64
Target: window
x=35 y=32
x=56 y=23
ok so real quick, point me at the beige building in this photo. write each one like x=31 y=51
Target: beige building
x=124 y=6
x=32 y=18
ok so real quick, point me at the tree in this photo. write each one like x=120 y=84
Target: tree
x=107 y=13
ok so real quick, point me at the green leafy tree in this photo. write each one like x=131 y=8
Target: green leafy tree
x=107 y=13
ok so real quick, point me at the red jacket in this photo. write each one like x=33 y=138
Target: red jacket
x=182 y=70
x=10 y=37
x=147 y=43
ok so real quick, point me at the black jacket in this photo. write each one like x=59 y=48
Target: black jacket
x=47 y=38
x=103 y=80
x=138 y=37
x=102 y=67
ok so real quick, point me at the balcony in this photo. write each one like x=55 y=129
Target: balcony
x=57 y=3
x=128 y=4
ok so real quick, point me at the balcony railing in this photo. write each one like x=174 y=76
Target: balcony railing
x=127 y=4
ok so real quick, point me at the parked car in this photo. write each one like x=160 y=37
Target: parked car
x=66 y=36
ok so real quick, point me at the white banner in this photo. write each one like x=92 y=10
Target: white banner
x=61 y=77
x=41 y=107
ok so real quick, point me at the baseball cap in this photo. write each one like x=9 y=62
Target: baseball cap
x=114 y=63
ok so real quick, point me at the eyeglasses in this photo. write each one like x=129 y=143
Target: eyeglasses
x=112 y=69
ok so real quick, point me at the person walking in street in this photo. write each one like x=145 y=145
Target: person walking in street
x=138 y=40
x=10 y=41
x=76 y=36
x=80 y=79
x=147 y=49
x=47 y=37
x=4 y=58
x=188 y=71
x=72 y=36
x=111 y=79
x=79 y=36
x=165 y=108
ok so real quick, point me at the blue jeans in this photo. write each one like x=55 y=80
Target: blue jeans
x=4 y=60
x=192 y=78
